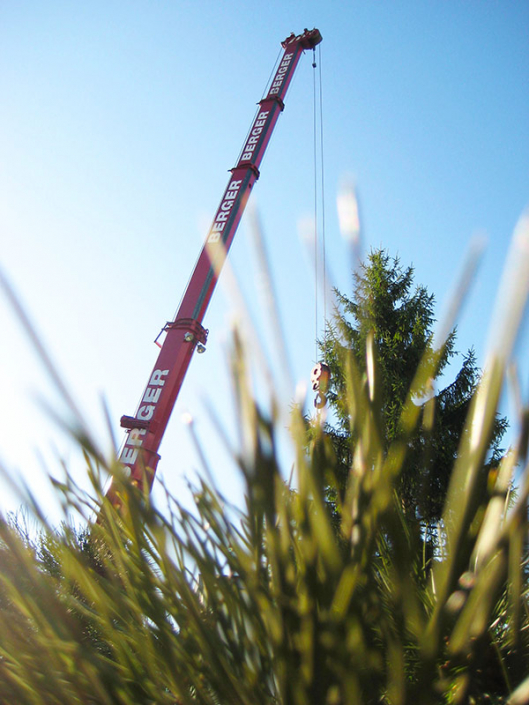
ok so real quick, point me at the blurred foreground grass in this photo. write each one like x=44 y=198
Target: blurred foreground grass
x=273 y=604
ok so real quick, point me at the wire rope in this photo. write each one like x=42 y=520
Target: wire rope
x=322 y=175
x=320 y=264
x=315 y=160
x=272 y=73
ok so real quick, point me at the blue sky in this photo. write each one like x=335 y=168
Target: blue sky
x=118 y=125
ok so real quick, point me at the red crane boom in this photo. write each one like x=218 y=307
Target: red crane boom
x=186 y=333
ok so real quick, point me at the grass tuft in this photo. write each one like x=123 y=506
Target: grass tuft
x=276 y=603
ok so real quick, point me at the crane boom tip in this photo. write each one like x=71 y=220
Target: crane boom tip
x=308 y=40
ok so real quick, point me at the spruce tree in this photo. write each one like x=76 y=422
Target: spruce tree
x=399 y=315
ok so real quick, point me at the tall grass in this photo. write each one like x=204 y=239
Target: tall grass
x=272 y=603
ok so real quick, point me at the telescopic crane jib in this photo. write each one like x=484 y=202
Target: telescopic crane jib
x=185 y=334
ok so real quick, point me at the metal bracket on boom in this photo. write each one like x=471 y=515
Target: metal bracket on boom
x=275 y=99
x=249 y=166
x=194 y=332
x=129 y=422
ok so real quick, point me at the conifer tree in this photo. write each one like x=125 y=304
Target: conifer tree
x=399 y=315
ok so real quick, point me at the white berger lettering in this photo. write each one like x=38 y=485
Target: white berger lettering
x=224 y=211
x=135 y=438
x=255 y=134
x=280 y=75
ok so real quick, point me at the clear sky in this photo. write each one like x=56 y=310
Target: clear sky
x=119 y=122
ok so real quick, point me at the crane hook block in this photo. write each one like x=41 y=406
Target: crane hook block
x=320 y=379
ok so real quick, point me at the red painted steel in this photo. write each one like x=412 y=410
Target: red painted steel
x=146 y=428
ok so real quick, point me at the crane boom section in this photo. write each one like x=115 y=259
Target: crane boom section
x=146 y=428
